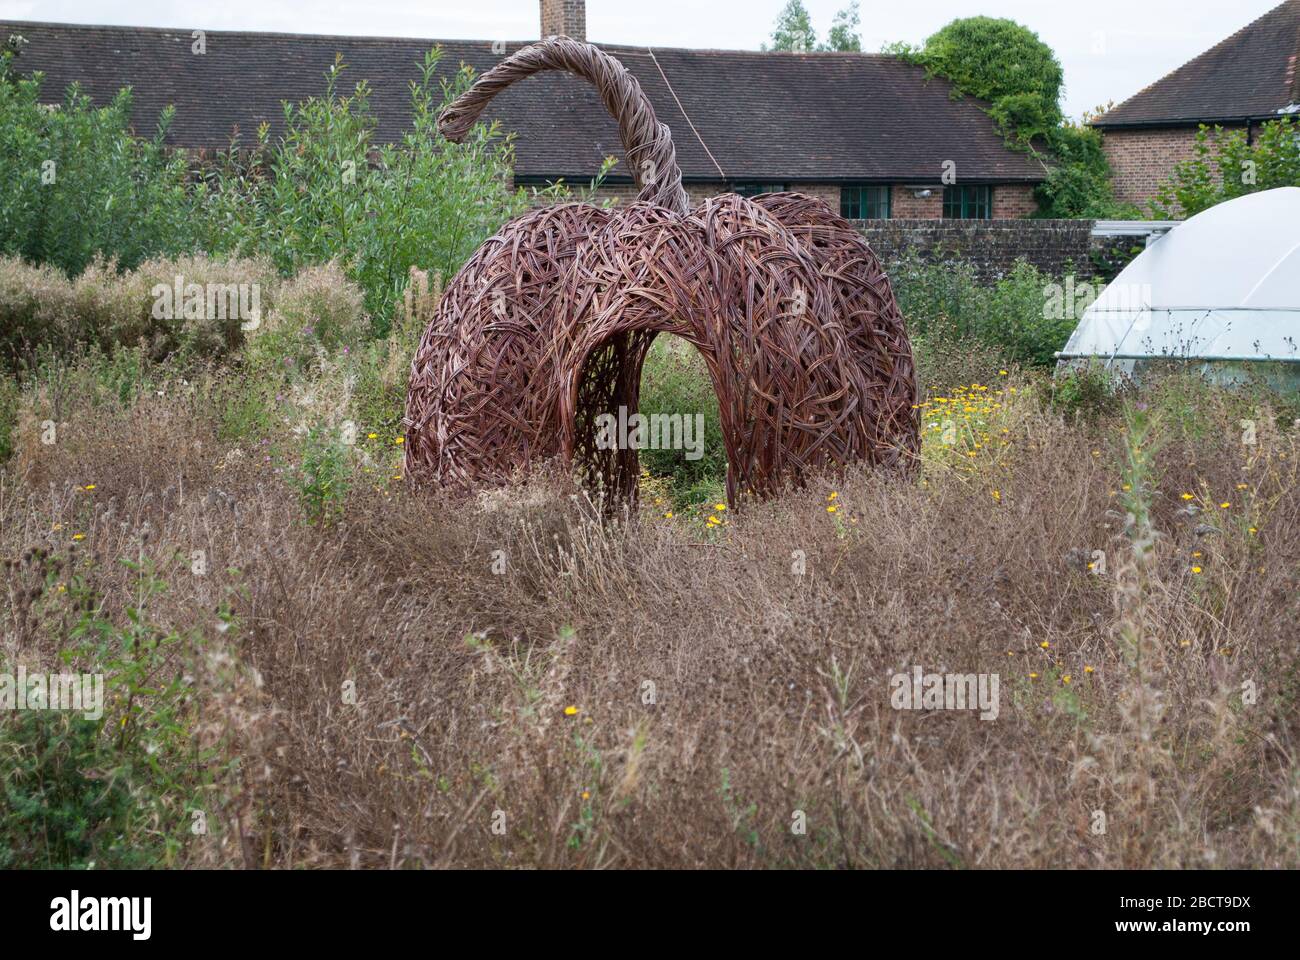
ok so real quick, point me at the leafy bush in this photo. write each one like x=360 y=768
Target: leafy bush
x=316 y=311
x=115 y=790
x=326 y=191
x=1087 y=392
x=1000 y=61
x=78 y=190
x=946 y=302
x=1110 y=257
x=675 y=381
x=322 y=476
x=1225 y=166
x=1078 y=183
x=1007 y=65
x=76 y=182
x=57 y=805
x=105 y=307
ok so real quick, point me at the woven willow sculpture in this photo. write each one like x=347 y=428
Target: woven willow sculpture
x=548 y=324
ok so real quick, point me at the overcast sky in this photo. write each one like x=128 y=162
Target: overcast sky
x=1111 y=49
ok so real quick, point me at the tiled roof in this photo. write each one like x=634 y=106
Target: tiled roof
x=1255 y=73
x=764 y=116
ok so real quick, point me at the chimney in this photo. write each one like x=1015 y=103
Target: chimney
x=564 y=18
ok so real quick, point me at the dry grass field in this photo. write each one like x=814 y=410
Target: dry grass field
x=309 y=665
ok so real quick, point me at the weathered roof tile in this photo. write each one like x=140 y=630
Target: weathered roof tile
x=1251 y=74
x=763 y=116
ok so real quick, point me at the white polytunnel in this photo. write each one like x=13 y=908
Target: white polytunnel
x=1222 y=288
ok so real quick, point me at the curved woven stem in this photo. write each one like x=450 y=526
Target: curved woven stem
x=647 y=143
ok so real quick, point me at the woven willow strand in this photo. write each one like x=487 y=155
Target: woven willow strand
x=547 y=326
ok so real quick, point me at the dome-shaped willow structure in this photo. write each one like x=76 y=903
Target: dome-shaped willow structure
x=546 y=327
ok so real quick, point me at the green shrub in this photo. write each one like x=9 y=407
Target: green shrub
x=1226 y=165
x=78 y=190
x=114 y=791
x=1016 y=318
x=77 y=183
x=1000 y=61
x=107 y=308
x=323 y=475
x=326 y=191
x=675 y=381
x=1079 y=183
x=317 y=312
x=61 y=805
x=946 y=302
x=1087 y=393
x=1006 y=64
x=9 y=394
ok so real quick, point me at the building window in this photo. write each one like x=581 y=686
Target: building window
x=968 y=203
x=754 y=189
x=859 y=202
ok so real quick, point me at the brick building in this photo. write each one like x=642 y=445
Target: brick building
x=1250 y=78
x=868 y=132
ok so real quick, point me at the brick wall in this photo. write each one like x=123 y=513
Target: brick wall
x=626 y=192
x=907 y=206
x=993 y=246
x=1009 y=200
x=1142 y=160
x=1013 y=201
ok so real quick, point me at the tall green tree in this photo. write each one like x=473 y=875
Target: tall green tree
x=794 y=31
x=844 y=36
x=1000 y=61
x=1007 y=65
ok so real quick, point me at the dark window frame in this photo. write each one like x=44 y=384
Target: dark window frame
x=968 y=202
x=753 y=188
x=855 y=205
